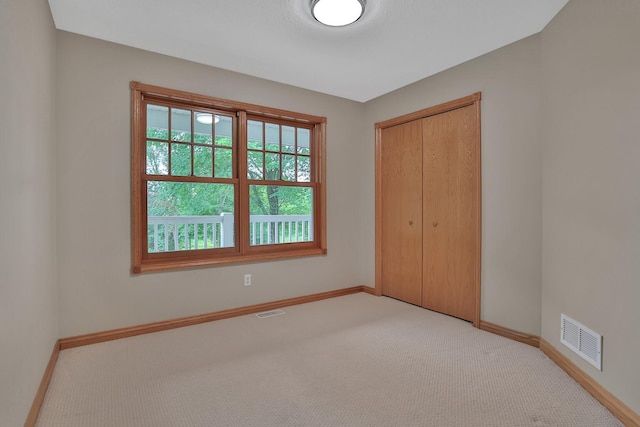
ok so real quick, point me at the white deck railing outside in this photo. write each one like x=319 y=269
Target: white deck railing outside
x=172 y=233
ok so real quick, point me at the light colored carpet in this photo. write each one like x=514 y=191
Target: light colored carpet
x=356 y=360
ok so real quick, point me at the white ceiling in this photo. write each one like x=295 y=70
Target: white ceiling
x=395 y=43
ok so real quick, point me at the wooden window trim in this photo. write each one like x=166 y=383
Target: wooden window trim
x=243 y=252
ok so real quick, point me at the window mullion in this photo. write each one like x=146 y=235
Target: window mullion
x=193 y=148
x=169 y=139
x=242 y=217
x=214 y=145
x=280 y=151
x=295 y=153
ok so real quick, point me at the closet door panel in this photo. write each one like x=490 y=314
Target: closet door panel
x=450 y=180
x=401 y=193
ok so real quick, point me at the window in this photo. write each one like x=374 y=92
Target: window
x=219 y=182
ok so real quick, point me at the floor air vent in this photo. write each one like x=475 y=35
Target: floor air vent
x=271 y=313
x=582 y=340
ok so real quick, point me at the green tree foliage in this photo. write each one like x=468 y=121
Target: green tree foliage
x=274 y=199
x=190 y=198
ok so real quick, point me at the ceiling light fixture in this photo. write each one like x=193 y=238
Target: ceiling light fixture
x=206 y=118
x=337 y=13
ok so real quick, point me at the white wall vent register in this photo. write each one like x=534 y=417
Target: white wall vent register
x=582 y=340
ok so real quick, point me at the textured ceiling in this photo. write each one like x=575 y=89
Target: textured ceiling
x=395 y=43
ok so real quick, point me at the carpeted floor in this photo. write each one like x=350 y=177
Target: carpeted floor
x=356 y=360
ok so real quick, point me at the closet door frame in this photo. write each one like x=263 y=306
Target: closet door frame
x=471 y=100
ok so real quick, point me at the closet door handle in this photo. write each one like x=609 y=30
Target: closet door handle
x=435 y=223
x=410 y=222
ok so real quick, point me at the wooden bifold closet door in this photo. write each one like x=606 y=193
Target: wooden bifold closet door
x=428 y=208
x=402 y=225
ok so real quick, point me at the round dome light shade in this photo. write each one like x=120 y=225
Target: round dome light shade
x=337 y=13
x=207 y=118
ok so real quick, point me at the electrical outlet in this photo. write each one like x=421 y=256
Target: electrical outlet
x=247 y=280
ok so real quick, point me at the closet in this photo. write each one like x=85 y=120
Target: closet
x=428 y=208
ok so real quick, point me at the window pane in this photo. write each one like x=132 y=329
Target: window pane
x=180 y=125
x=224 y=163
x=288 y=167
x=288 y=139
x=272 y=134
x=157 y=158
x=272 y=166
x=304 y=141
x=255 y=165
x=254 y=135
x=280 y=214
x=203 y=128
x=157 y=122
x=203 y=161
x=224 y=130
x=304 y=169
x=181 y=159
x=188 y=216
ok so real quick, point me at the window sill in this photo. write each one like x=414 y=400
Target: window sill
x=147 y=266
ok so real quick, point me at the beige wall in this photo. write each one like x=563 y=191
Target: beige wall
x=591 y=187
x=28 y=308
x=96 y=290
x=511 y=173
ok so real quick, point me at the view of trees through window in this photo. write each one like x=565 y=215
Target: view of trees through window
x=279 y=153
x=197 y=153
